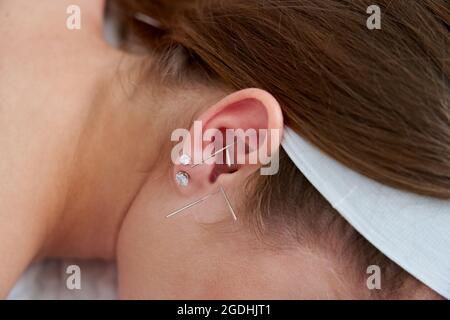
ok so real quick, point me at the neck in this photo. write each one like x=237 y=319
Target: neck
x=110 y=167
x=117 y=150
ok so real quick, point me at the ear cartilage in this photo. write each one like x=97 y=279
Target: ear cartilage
x=182 y=178
x=228 y=203
x=213 y=155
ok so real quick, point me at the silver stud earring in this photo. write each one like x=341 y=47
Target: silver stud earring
x=182 y=178
x=185 y=160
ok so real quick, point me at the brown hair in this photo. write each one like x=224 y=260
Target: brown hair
x=378 y=101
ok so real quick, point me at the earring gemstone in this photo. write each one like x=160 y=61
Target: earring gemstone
x=185 y=160
x=182 y=178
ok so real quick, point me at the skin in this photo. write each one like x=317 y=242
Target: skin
x=60 y=195
x=86 y=172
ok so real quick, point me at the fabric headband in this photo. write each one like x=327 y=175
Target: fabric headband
x=411 y=230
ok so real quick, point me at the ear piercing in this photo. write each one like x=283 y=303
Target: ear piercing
x=216 y=153
x=185 y=160
x=182 y=178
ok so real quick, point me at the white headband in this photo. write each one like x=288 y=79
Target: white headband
x=411 y=230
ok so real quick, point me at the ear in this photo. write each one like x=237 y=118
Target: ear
x=243 y=131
